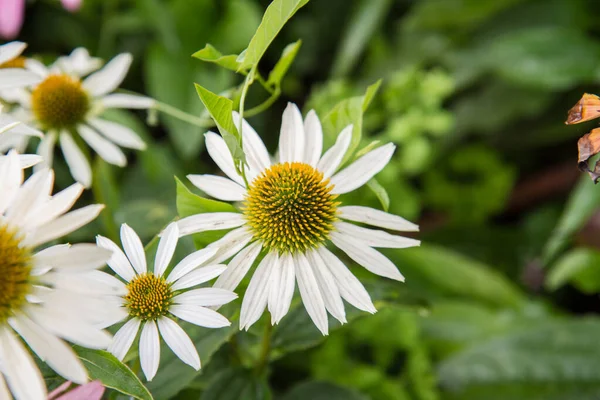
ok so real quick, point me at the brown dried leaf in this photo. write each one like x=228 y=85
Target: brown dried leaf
x=589 y=145
x=587 y=108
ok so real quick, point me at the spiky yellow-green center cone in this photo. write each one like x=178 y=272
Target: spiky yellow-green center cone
x=148 y=297
x=290 y=208
x=15 y=272
x=60 y=102
x=17 y=62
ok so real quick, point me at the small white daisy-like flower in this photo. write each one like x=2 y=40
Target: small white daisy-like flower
x=52 y=294
x=68 y=107
x=291 y=212
x=13 y=72
x=154 y=300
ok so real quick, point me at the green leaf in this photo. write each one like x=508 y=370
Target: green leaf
x=346 y=112
x=212 y=55
x=234 y=384
x=285 y=61
x=580 y=267
x=220 y=109
x=276 y=16
x=322 y=391
x=106 y=192
x=380 y=192
x=106 y=368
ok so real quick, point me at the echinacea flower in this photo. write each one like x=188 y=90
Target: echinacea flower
x=154 y=300
x=67 y=108
x=13 y=73
x=290 y=211
x=52 y=294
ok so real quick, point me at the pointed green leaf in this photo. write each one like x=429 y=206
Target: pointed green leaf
x=212 y=55
x=285 y=61
x=380 y=192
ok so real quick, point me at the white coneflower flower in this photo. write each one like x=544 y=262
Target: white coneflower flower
x=154 y=301
x=290 y=210
x=48 y=295
x=68 y=108
x=12 y=67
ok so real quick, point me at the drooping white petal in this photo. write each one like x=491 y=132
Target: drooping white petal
x=76 y=258
x=30 y=194
x=119 y=134
x=11 y=176
x=190 y=262
x=76 y=160
x=238 y=267
x=254 y=148
x=29 y=160
x=230 y=244
x=219 y=187
x=124 y=338
x=22 y=375
x=37 y=67
x=46 y=150
x=199 y=276
x=285 y=288
x=219 y=152
x=360 y=171
x=314 y=138
x=332 y=158
x=18 y=127
x=4 y=393
x=205 y=297
x=118 y=262
x=53 y=351
x=124 y=100
x=310 y=293
x=328 y=285
x=199 y=315
x=366 y=256
x=134 y=249
x=17 y=77
x=179 y=342
x=88 y=283
x=291 y=138
x=166 y=249
x=376 y=217
x=11 y=50
x=209 y=222
x=110 y=77
x=105 y=149
x=274 y=279
x=349 y=286
x=56 y=206
x=255 y=299
x=149 y=350
x=375 y=238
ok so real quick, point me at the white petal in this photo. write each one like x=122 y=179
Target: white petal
x=76 y=258
x=36 y=67
x=255 y=299
x=274 y=279
x=105 y=149
x=285 y=288
x=291 y=138
x=210 y=222
x=333 y=157
x=179 y=342
x=63 y=225
x=56 y=206
x=238 y=267
x=219 y=152
x=20 y=127
x=123 y=100
x=4 y=393
x=166 y=249
x=190 y=262
x=46 y=150
x=11 y=177
x=32 y=193
x=29 y=160
x=199 y=276
x=22 y=375
x=314 y=138
x=149 y=349
x=51 y=350
x=118 y=261
x=349 y=286
x=124 y=338
x=119 y=134
x=76 y=160
x=328 y=286
x=311 y=294
x=375 y=238
x=363 y=169
x=230 y=244
x=205 y=297
x=11 y=50
x=110 y=77
x=199 y=315
x=254 y=148
x=134 y=249
x=17 y=77
x=219 y=187
x=89 y=283
x=366 y=256
x=378 y=218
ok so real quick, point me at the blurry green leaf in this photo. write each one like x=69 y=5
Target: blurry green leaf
x=234 y=384
x=220 y=109
x=583 y=202
x=275 y=17
x=106 y=368
x=106 y=191
x=162 y=20
x=322 y=391
x=380 y=192
x=581 y=267
x=283 y=64
x=210 y=54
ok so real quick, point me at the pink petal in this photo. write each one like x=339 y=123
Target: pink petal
x=59 y=390
x=71 y=5
x=91 y=391
x=12 y=13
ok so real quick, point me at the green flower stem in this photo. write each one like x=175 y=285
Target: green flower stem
x=265 y=352
x=247 y=83
x=182 y=115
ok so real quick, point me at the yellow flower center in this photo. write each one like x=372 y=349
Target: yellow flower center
x=17 y=62
x=290 y=207
x=148 y=297
x=60 y=102
x=15 y=270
